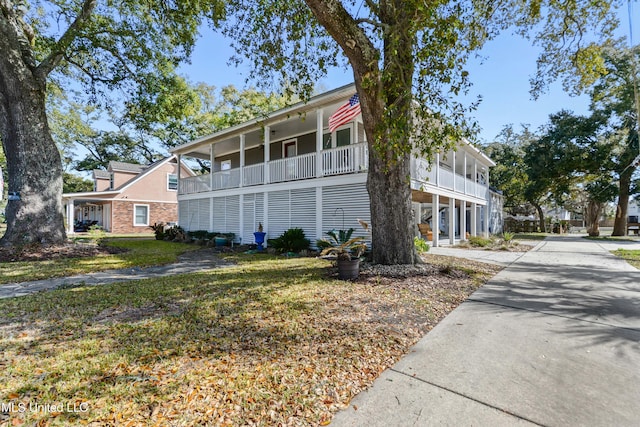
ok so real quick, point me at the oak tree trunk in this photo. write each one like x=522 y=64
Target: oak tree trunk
x=620 y=223
x=34 y=209
x=543 y=228
x=385 y=99
x=592 y=216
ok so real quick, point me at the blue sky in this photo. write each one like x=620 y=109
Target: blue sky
x=502 y=79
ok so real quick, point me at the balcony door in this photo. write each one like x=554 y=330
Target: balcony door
x=289 y=149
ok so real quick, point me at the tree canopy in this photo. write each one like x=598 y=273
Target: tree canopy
x=408 y=60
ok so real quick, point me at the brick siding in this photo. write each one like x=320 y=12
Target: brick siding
x=122 y=219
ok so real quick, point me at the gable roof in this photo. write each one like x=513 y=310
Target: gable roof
x=126 y=167
x=145 y=170
x=100 y=174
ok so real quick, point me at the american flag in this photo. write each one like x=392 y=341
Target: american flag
x=345 y=113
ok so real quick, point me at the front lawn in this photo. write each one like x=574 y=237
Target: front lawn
x=631 y=256
x=265 y=342
x=130 y=253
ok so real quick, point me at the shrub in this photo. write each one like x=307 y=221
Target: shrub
x=198 y=234
x=479 y=241
x=292 y=240
x=158 y=230
x=421 y=245
x=174 y=233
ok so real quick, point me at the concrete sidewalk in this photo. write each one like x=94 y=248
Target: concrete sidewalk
x=553 y=339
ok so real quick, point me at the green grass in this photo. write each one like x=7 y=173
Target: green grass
x=269 y=341
x=139 y=253
x=530 y=236
x=631 y=256
x=613 y=238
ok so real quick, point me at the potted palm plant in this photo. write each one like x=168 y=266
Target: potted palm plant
x=345 y=250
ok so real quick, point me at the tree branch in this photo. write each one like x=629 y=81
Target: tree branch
x=60 y=47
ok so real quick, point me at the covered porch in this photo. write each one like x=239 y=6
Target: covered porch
x=80 y=214
x=450 y=219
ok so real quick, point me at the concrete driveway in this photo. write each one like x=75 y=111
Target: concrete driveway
x=553 y=339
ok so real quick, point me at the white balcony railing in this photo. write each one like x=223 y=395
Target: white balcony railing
x=345 y=159
x=293 y=168
x=253 y=175
x=195 y=184
x=226 y=179
x=446 y=179
x=340 y=160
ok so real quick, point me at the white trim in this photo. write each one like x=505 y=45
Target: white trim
x=135 y=206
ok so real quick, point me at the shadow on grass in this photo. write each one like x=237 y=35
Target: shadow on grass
x=246 y=311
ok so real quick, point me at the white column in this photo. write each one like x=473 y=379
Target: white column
x=179 y=172
x=319 y=130
x=453 y=168
x=463 y=220
x=242 y=146
x=474 y=219
x=487 y=190
x=486 y=221
x=212 y=157
x=475 y=177
x=70 y=216
x=265 y=219
x=464 y=172
x=435 y=219
x=452 y=220
x=267 y=148
x=437 y=169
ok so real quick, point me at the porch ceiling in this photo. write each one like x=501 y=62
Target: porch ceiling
x=294 y=125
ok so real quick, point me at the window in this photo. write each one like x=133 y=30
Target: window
x=111 y=180
x=141 y=215
x=343 y=137
x=326 y=141
x=172 y=181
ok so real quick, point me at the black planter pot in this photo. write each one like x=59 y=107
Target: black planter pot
x=348 y=269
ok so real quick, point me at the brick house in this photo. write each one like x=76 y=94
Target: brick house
x=127 y=198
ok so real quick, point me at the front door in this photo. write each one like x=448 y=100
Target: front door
x=290 y=149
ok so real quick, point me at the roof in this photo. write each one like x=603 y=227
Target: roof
x=299 y=108
x=100 y=174
x=126 y=167
x=144 y=170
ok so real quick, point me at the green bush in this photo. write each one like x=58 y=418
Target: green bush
x=199 y=234
x=292 y=240
x=174 y=233
x=158 y=230
x=421 y=245
x=479 y=241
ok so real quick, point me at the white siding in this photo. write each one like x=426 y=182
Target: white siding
x=233 y=216
x=303 y=212
x=219 y=214
x=351 y=199
x=249 y=224
x=194 y=214
x=279 y=213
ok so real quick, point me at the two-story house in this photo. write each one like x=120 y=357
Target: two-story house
x=127 y=198
x=289 y=170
